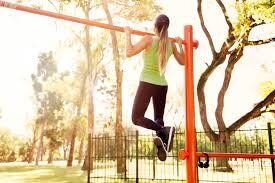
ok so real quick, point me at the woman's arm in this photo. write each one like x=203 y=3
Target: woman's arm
x=179 y=55
x=131 y=49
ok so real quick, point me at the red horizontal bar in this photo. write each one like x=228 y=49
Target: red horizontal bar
x=72 y=19
x=68 y=18
x=78 y=20
x=236 y=155
x=182 y=155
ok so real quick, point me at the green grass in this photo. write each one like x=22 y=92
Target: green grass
x=55 y=174
x=41 y=174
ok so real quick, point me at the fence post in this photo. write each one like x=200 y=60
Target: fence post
x=125 y=156
x=271 y=150
x=137 y=156
x=177 y=143
x=154 y=162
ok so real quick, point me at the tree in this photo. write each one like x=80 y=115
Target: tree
x=86 y=7
x=66 y=139
x=48 y=103
x=9 y=145
x=54 y=134
x=31 y=146
x=82 y=132
x=24 y=151
x=6 y=142
x=121 y=164
x=11 y=157
x=73 y=93
x=250 y=15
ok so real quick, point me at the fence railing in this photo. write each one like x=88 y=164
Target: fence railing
x=135 y=160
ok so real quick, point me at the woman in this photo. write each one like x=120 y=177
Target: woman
x=156 y=52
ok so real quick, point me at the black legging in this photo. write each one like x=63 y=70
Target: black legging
x=144 y=93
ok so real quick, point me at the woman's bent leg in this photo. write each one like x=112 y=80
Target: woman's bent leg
x=141 y=102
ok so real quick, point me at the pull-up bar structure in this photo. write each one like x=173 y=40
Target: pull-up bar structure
x=190 y=153
x=74 y=19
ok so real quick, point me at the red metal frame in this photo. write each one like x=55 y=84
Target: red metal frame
x=237 y=155
x=71 y=18
x=190 y=129
x=190 y=152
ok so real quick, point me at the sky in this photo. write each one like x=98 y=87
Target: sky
x=23 y=36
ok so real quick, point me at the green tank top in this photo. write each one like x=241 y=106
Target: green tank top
x=150 y=72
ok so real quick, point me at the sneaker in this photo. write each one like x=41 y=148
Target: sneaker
x=162 y=153
x=171 y=132
x=167 y=136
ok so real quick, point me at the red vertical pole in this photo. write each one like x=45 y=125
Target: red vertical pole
x=190 y=130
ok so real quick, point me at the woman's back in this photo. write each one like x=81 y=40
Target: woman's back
x=150 y=72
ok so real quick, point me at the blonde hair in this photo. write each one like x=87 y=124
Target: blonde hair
x=162 y=51
x=161 y=25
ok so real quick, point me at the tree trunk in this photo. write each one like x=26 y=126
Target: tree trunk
x=30 y=152
x=71 y=153
x=91 y=124
x=121 y=160
x=50 y=159
x=80 y=155
x=30 y=155
x=222 y=164
x=91 y=80
x=85 y=163
x=33 y=144
x=65 y=153
x=40 y=147
x=42 y=151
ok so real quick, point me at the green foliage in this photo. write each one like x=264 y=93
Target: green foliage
x=243 y=141
x=11 y=157
x=54 y=134
x=24 y=151
x=252 y=12
x=81 y=126
x=8 y=146
x=137 y=10
x=5 y=145
x=46 y=66
x=266 y=88
x=49 y=104
x=263 y=10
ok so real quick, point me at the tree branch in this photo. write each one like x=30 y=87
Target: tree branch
x=53 y=5
x=254 y=113
x=225 y=15
x=233 y=59
x=267 y=111
x=205 y=30
x=78 y=37
x=254 y=24
x=259 y=42
x=216 y=61
x=124 y=4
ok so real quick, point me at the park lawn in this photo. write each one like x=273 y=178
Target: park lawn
x=41 y=174
x=54 y=174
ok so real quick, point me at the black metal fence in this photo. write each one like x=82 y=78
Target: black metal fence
x=138 y=154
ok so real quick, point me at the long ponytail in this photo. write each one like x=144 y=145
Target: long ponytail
x=162 y=50
x=161 y=25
